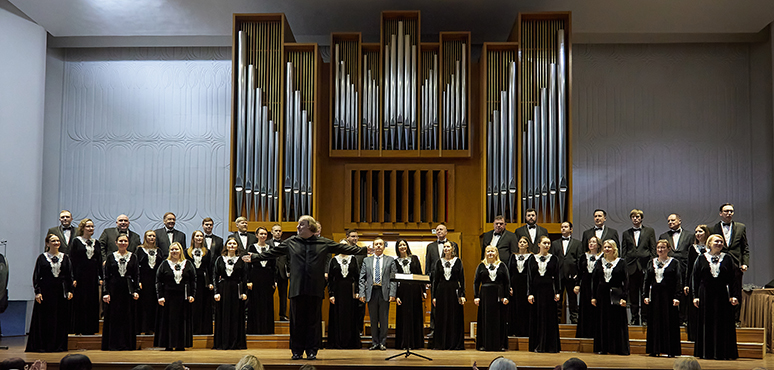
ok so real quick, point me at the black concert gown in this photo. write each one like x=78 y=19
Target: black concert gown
x=230 y=310
x=51 y=317
x=715 y=332
x=343 y=331
x=544 y=324
x=87 y=272
x=692 y=312
x=174 y=326
x=449 y=313
x=260 y=299
x=409 y=318
x=491 y=334
x=201 y=309
x=148 y=305
x=663 y=317
x=118 y=329
x=613 y=334
x=518 y=307
x=588 y=314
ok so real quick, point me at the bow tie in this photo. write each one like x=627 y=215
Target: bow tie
x=89 y=242
x=673 y=232
x=442 y=241
x=242 y=234
x=208 y=236
x=726 y=224
x=67 y=228
x=597 y=228
x=491 y=267
x=498 y=234
x=170 y=231
x=563 y=238
x=637 y=229
x=530 y=226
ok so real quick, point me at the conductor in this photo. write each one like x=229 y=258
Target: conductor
x=307 y=255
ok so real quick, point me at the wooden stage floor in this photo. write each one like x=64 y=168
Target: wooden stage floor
x=207 y=359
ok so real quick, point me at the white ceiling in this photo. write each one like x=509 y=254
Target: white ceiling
x=313 y=21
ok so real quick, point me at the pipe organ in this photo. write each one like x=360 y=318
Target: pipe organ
x=399 y=116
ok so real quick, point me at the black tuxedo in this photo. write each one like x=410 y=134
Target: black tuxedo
x=307 y=287
x=507 y=245
x=242 y=249
x=64 y=247
x=533 y=246
x=637 y=255
x=108 y=241
x=607 y=233
x=216 y=248
x=162 y=239
x=568 y=271
x=737 y=247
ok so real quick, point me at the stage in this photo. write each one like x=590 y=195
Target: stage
x=207 y=359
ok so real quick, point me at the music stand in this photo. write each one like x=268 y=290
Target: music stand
x=411 y=279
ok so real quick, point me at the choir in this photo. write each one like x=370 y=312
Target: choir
x=176 y=292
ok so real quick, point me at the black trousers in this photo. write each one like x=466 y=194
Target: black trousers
x=572 y=300
x=305 y=324
x=282 y=291
x=379 y=310
x=635 y=295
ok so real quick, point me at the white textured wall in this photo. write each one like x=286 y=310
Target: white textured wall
x=22 y=76
x=145 y=131
x=674 y=128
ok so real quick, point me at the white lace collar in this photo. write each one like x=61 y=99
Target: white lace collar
x=542 y=262
x=521 y=260
x=260 y=249
x=230 y=263
x=89 y=248
x=714 y=262
x=55 y=260
x=447 y=267
x=699 y=247
x=122 y=261
x=608 y=266
x=591 y=260
x=197 y=255
x=152 y=254
x=177 y=269
x=659 y=267
x=344 y=261
x=405 y=264
x=491 y=268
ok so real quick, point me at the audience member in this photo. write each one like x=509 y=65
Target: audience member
x=307 y=367
x=12 y=363
x=249 y=362
x=143 y=367
x=686 y=363
x=502 y=363
x=75 y=361
x=574 y=363
x=177 y=365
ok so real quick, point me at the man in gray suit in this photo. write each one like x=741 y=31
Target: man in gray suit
x=378 y=288
x=66 y=231
x=108 y=238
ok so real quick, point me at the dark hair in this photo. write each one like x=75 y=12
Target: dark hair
x=725 y=204
x=408 y=249
x=350 y=231
x=207 y=219
x=120 y=235
x=574 y=363
x=75 y=361
x=177 y=365
x=224 y=252
x=530 y=210
x=12 y=363
x=261 y=228
x=143 y=367
x=601 y=210
x=567 y=222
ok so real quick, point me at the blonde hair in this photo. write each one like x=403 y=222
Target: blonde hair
x=182 y=255
x=191 y=246
x=497 y=254
x=249 y=360
x=145 y=240
x=612 y=243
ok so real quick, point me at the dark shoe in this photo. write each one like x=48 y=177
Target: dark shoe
x=167 y=349
x=311 y=355
x=738 y=324
x=382 y=347
x=374 y=347
x=430 y=334
x=296 y=356
x=283 y=318
x=635 y=321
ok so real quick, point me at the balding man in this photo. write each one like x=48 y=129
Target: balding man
x=167 y=235
x=108 y=238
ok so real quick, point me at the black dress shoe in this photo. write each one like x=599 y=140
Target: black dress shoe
x=283 y=318
x=296 y=356
x=382 y=347
x=374 y=347
x=311 y=356
x=430 y=334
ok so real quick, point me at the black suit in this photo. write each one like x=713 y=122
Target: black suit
x=637 y=254
x=307 y=287
x=568 y=271
x=607 y=233
x=215 y=247
x=533 y=245
x=507 y=245
x=680 y=252
x=64 y=247
x=162 y=239
x=242 y=249
x=432 y=256
x=108 y=241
